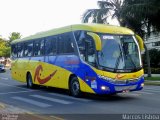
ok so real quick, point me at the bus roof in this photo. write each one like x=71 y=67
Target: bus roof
x=102 y=28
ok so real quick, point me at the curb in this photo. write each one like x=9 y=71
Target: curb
x=2 y=106
x=154 y=81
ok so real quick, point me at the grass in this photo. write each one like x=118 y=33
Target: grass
x=152 y=78
x=152 y=83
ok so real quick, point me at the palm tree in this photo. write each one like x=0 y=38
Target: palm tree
x=97 y=15
x=144 y=12
x=135 y=14
x=106 y=8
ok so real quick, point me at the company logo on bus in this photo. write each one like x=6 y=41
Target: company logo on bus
x=44 y=80
x=119 y=76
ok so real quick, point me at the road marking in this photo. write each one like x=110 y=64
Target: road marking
x=13 y=86
x=4 y=78
x=52 y=99
x=69 y=97
x=130 y=94
x=143 y=92
x=153 y=91
x=2 y=106
x=33 y=102
x=153 y=87
x=17 y=92
x=40 y=117
x=57 y=118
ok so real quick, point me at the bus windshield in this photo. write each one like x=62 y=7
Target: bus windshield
x=119 y=52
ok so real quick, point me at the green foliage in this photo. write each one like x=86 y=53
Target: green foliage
x=6 y=52
x=4 y=49
x=153 y=78
x=153 y=70
x=97 y=15
x=134 y=14
x=155 y=58
x=14 y=36
x=106 y=8
x=155 y=61
x=141 y=14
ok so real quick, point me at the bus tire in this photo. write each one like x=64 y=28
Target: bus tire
x=74 y=87
x=30 y=81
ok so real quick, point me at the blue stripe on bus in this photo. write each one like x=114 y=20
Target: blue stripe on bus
x=73 y=64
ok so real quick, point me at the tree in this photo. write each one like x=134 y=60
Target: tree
x=106 y=8
x=138 y=15
x=4 y=49
x=14 y=36
x=142 y=16
x=5 y=45
x=97 y=15
x=155 y=58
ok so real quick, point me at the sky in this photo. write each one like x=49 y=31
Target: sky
x=31 y=16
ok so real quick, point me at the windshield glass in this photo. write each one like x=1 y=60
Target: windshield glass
x=119 y=52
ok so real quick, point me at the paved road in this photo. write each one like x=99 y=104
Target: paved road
x=55 y=101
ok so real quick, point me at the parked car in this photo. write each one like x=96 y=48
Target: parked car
x=2 y=68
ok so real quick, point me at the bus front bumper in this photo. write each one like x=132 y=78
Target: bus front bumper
x=109 y=88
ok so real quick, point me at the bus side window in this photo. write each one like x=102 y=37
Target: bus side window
x=20 y=50
x=90 y=50
x=86 y=47
x=68 y=43
x=60 y=45
x=28 y=49
x=42 y=47
x=14 y=51
x=39 y=47
x=50 y=45
x=65 y=44
x=79 y=35
x=36 y=48
x=81 y=46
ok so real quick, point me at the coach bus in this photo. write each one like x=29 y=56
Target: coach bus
x=92 y=58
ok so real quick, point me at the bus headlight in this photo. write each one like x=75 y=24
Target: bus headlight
x=105 y=88
x=142 y=84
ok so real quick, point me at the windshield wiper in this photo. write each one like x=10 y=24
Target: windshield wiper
x=108 y=69
x=118 y=59
x=132 y=61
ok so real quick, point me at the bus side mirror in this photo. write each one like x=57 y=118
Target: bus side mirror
x=97 y=40
x=140 y=42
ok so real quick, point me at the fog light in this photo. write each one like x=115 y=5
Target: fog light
x=104 y=88
x=142 y=85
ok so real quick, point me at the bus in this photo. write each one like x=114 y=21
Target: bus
x=92 y=58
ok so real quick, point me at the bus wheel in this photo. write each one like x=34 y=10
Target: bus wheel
x=74 y=87
x=29 y=81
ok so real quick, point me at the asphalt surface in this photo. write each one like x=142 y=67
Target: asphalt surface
x=53 y=101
